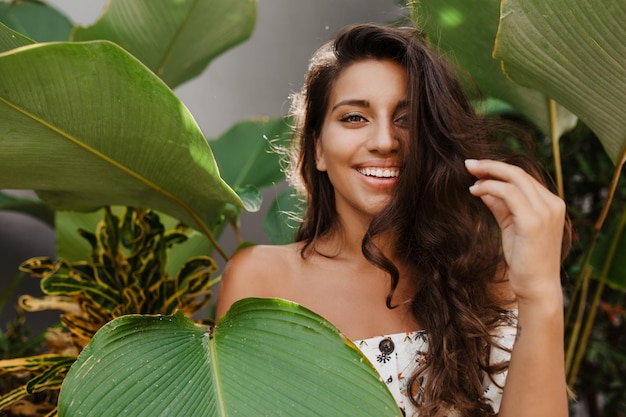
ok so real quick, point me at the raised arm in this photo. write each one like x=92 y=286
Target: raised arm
x=531 y=219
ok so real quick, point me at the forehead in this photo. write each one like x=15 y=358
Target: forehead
x=370 y=79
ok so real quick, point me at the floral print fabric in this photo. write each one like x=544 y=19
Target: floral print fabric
x=396 y=357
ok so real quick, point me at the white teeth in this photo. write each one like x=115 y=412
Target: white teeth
x=380 y=172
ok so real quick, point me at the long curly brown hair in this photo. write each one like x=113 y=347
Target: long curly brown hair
x=451 y=243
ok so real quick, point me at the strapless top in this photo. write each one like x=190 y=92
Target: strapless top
x=396 y=357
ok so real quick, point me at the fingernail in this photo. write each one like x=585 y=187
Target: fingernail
x=471 y=162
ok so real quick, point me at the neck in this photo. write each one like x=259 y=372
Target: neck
x=346 y=241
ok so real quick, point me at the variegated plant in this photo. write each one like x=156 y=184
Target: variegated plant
x=127 y=274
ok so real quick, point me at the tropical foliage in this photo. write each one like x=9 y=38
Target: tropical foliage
x=567 y=59
x=67 y=108
x=123 y=268
x=127 y=273
x=240 y=367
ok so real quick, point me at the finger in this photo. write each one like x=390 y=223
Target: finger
x=504 y=200
x=509 y=203
x=490 y=169
x=499 y=210
x=497 y=170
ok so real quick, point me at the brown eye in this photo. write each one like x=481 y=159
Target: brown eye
x=402 y=121
x=353 y=118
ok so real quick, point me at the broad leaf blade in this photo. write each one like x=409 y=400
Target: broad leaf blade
x=266 y=357
x=466 y=31
x=283 y=217
x=574 y=52
x=303 y=366
x=36 y=20
x=176 y=40
x=87 y=125
x=155 y=384
x=248 y=153
x=10 y=39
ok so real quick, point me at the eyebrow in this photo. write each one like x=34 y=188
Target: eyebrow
x=365 y=103
x=352 y=102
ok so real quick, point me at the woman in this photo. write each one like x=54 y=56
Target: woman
x=422 y=240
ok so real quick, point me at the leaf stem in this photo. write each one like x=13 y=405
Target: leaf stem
x=596 y=300
x=582 y=283
x=554 y=137
x=585 y=276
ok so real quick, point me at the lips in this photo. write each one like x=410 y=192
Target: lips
x=380 y=172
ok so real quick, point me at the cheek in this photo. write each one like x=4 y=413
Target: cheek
x=336 y=147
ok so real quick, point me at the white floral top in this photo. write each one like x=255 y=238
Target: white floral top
x=396 y=356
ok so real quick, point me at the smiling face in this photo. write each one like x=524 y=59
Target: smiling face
x=360 y=144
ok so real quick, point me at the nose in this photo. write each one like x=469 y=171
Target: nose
x=384 y=139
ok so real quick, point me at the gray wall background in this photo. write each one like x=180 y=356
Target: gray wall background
x=252 y=79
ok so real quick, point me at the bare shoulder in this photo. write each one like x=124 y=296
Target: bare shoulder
x=256 y=271
x=260 y=260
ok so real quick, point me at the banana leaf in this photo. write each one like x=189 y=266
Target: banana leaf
x=266 y=357
x=283 y=217
x=36 y=20
x=245 y=155
x=250 y=152
x=465 y=31
x=574 y=52
x=87 y=125
x=10 y=39
x=175 y=39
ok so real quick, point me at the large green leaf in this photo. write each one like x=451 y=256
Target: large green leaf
x=248 y=153
x=36 y=20
x=266 y=357
x=175 y=39
x=10 y=39
x=87 y=125
x=249 y=157
x=466 y=31
x=573 y=51
x=283 y=217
